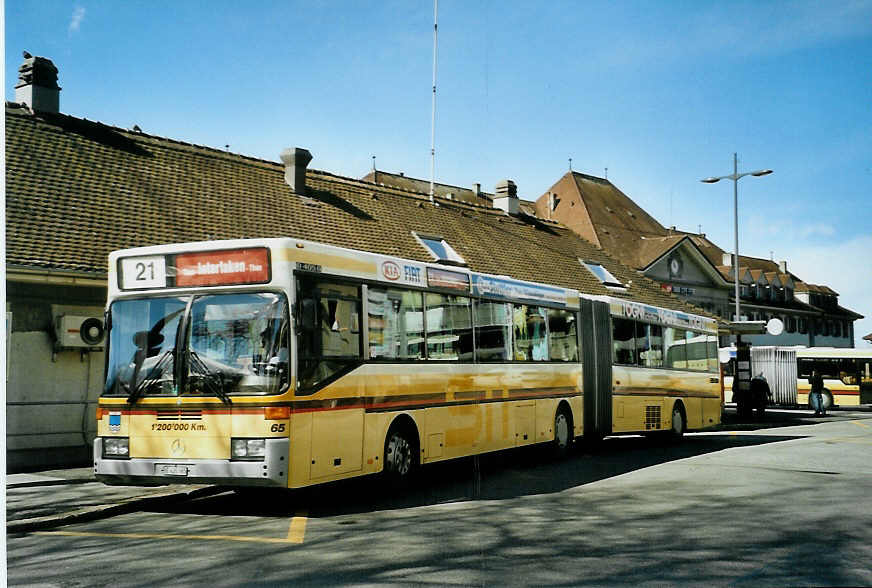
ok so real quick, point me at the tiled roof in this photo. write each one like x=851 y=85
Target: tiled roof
x=650 y=249
x=610 y=208
x=806 y=287
x=419 y=186
x=76 y=190
x=446 y=191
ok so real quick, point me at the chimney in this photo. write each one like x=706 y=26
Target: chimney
x=38 y=84
x=476 y=190
x=727 y=259
x=295 y=161
x=782 y=267
x=506 y=197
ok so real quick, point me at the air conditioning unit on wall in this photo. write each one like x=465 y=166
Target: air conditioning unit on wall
x=77 y=332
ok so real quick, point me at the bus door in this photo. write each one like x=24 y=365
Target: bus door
x=596 y=354
x=865 y=377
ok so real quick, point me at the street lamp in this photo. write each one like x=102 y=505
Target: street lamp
x=735 y=177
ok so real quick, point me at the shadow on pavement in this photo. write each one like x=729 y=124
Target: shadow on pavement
x=499 y=476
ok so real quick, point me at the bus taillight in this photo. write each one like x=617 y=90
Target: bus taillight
x=100 y=412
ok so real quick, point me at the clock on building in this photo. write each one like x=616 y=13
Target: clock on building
x=675 y=265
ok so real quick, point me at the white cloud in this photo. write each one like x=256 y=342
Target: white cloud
x=76 y=20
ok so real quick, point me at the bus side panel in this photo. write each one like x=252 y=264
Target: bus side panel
x=337 y=442
x=546 y=409
x=693 y=412
x=301 y=443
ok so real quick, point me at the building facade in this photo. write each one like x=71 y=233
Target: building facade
x=696 y=269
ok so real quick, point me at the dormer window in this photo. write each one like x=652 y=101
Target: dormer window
x=440 y=249
x=602 y=274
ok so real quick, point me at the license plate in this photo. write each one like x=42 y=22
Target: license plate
x=171 y=469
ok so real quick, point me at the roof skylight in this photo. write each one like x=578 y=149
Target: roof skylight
x=602 y=274
x=440 y=249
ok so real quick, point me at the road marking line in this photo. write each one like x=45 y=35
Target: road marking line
x=297 y=528
x=167 y=536
x=859 y=424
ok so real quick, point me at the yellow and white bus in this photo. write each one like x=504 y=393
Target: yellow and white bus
x=283 y=362
x=846 y=372
x=847 y=375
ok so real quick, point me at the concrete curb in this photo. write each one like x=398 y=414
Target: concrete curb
x=107 y=510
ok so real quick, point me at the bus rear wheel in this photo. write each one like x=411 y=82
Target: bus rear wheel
x=562 y=433
x=401 y=456
x=679 y=423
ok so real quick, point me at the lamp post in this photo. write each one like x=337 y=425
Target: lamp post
x=735 y=177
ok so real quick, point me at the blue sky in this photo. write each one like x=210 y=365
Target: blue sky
x=660 y=93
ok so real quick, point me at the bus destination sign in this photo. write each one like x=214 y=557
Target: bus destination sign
x=222 y=268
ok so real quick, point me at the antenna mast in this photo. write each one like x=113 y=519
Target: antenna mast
x=433 y=111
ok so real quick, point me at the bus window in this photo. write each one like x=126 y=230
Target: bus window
x=712 y=353
x=649 y=345
x=238 y=343
x=655 y=353
x=563 y=343
x=696 y=348
x=142 y=342
x=492 y=324
x=530 y=339
x=623 y=345
x=396 y=323
x=332 y=344
x=449 y=327
x=848 y=371
x=675 y=344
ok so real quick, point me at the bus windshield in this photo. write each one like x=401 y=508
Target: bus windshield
x=232 y=344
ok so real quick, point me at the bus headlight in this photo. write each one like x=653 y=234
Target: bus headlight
x=116 y=447
x=247 y=448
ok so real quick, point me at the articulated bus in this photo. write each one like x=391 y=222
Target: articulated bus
x=288 y=363
x=846 y=372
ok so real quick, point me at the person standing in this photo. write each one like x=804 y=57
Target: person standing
x=816 y=395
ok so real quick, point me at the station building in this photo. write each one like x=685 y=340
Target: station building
x=696 y=269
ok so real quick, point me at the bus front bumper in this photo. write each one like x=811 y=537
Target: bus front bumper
x=271 y=471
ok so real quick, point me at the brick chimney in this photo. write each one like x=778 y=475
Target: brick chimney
x=38 y=84
x=295 y=161
x=506 y=197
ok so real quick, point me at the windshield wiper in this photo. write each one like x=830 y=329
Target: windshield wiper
x=148 y=380
x=214 y=381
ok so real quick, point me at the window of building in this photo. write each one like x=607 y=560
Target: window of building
x=396 y=323
x=802 y=325
x=440 y=249
x=602 y=274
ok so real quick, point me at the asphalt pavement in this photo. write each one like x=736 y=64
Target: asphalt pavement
x=48 y=499
x=43 y=500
